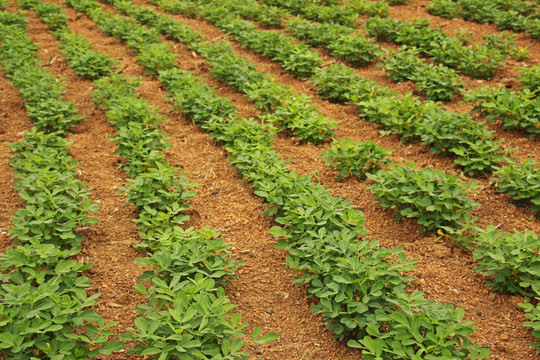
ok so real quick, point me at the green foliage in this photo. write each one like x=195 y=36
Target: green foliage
x=353 y=158
x=340 y=40
x=156 y=57
x=57 y=203
x=398 y=2
x=370 y=8
x=87 y=62
x=188 y=313
x=356 y=281
x=335 y=14
x=506 y=15
x=320 y=11
x=41 y=91
x=445 y=8
x=530 y=79
x=425 y=329
x=50 y=13
x=281 y=105
x=443 y=131
x=510 y=261
x=532 y=312
x=521 y=182
x=504 y=42
x=478 y=61
x=516 y=110
x=164 y=24
x=435 y=82
x=339 y=83
x=354 y=291
x=436 y=199
x=296 y=58
x=44 y=309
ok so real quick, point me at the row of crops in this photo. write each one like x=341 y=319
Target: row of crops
x=361 y=287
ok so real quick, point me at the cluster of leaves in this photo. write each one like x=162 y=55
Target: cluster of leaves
x=506 y=15
x=315 y=11
x=512 y=264
x=517 y=110
x=370 y=8
x=165 y=25
x=42 y=92
x=342 y=84
x=353 y=158
x=443 y=131
x=357 y=282
x=521 y=182
x=296 y=58
x=87 y=62
x=266 y=15
x=50 y=13
x=438 y=200
x=154 y=55
x=435 y=82
x=340 y=40
x=505 y=43
x=398 y=2
x=44 y=308
x=282 y=106
x=4 y=5
x=478 y=61
x=187 y=310
x=530 y=79
x=511 y=261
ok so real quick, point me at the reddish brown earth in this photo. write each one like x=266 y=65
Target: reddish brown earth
x=263 y=290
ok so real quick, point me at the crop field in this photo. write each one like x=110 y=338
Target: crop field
x=269 y=179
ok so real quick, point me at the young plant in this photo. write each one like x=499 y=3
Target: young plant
x=521 y=182
x=510 y=261
x=353 y=158
x=436 y=199
x=530 y=79
x=516 y=110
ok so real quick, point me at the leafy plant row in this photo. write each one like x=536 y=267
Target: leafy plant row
x=435 y=82
x=44 y=308
x=404 y=115
x=281 y=105
x=342 y=41
x=85 y=61
x=506 y=15
x=438 y=200
x=188 y=313
x=478 y=61
x=322 y=229
x=296 y=58
x=345 y=13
